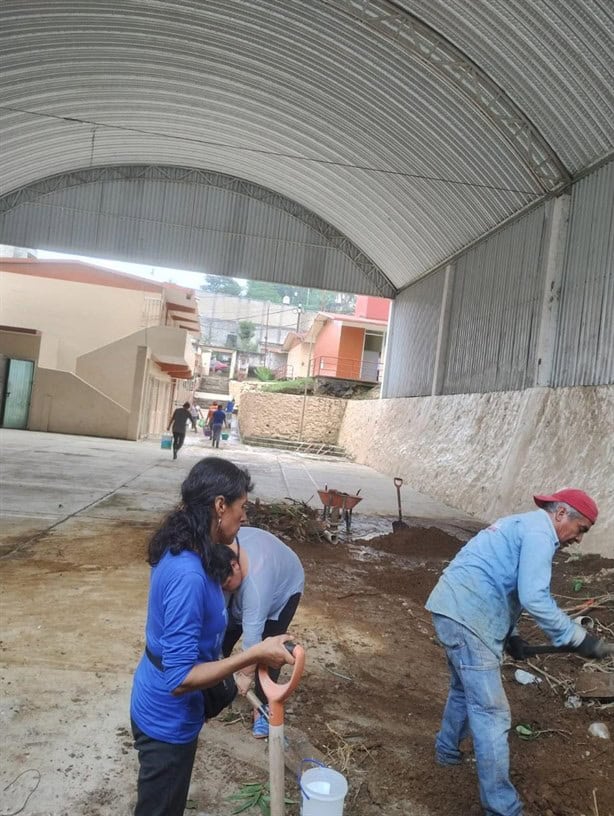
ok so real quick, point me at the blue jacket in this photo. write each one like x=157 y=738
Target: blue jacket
x=501 y=570
x=186 y=621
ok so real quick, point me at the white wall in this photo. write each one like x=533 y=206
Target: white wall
x=487 y=454
x=64 y=403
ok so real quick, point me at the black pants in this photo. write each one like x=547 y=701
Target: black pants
x=178 y=439
x=271 y=628
x=216 y=432
x=165 y=771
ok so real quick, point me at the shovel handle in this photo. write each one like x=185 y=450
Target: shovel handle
x=278 y=692
x=529 y=651
x=398 y=483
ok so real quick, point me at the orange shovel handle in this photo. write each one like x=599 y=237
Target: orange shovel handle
x=278 y=692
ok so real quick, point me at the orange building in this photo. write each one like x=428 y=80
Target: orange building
x=348 y=347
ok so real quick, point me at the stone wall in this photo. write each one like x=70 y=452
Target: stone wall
x=487 y=454
x=279 y=415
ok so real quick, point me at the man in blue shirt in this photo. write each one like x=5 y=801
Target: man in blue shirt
x=476 y=605
x=218 y=420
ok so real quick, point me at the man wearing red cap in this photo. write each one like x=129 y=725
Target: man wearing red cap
x=476 y=605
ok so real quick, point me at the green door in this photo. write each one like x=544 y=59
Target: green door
x=18 y=389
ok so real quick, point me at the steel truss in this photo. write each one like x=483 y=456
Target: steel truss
x=186 y=175
x=421 y=41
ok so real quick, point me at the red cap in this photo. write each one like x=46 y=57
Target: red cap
x=577 y=499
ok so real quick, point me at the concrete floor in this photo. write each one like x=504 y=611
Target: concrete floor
x=50 y=478
x=75 y=579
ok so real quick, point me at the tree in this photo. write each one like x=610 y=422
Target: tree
x=310 y=299
x=261 y=290
x=246 y=332
x=221 y=285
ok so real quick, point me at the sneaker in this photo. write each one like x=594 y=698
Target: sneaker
x=261 y=727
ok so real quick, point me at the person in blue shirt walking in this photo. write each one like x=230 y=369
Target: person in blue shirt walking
x=475 y=607
x=186 y=621
x=230 y=407
x=218 y=420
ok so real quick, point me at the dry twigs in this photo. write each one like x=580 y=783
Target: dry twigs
x=291 y=520
x=342 y=755
x=566 y=684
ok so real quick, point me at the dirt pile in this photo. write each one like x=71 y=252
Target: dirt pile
x=372 y=698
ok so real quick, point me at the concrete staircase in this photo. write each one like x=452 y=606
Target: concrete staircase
x=318 y=448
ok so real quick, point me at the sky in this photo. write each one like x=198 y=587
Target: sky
x=160 y=274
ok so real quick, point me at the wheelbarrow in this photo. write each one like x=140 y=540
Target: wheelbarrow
x=342 y=503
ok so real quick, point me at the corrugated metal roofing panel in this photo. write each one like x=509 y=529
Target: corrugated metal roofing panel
x=496 y=303
x=299 y=97
x=412 y=342
x=584 y=352
x=212 y=229
x=554 y=57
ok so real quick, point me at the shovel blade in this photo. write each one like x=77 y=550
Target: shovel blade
x=399 y=525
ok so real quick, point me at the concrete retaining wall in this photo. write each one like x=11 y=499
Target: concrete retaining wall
x=279 y=415
x=487 y=454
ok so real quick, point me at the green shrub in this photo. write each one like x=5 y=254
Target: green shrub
x=290 y=386
x=264 y=374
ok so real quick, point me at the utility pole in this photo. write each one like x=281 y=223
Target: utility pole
x=266 y=332
x=299 y=311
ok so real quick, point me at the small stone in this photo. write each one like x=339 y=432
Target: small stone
x=600 y=730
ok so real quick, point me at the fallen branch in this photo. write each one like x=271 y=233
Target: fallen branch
x=337 y=674
x=551 y=680
x=360 y=594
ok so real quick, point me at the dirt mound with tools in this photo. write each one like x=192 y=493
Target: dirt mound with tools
x=376 y=683
x=370 y=700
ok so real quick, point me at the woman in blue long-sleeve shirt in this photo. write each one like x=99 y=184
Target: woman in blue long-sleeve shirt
x=186 y=620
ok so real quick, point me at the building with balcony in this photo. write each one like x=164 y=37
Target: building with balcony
x=88 y=350
x=342 y=347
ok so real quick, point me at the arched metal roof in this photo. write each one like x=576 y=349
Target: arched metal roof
x=412 y=127
x=191 y=219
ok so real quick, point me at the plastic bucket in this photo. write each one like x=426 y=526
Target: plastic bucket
x=225 y=434
x=166 y=442
x=323 y=791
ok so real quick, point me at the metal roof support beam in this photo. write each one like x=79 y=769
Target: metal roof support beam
x=441 y=354
x=555 y=243
x=411 y=34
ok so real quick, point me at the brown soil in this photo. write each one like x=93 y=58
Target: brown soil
x=375 y=683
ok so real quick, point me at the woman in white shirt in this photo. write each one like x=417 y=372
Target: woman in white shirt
x=266 y=585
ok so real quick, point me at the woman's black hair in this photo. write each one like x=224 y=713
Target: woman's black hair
x=188 y=526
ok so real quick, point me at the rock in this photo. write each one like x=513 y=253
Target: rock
x=600 y=730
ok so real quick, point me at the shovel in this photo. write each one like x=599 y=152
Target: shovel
x=276 y=695
x=399 y=524
x=529 y=651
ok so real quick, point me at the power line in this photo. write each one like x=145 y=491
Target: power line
x=274 y=153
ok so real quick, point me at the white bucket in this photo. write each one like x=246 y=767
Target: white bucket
x=323 y=792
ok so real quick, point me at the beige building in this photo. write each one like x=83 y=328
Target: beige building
x=87 y=350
